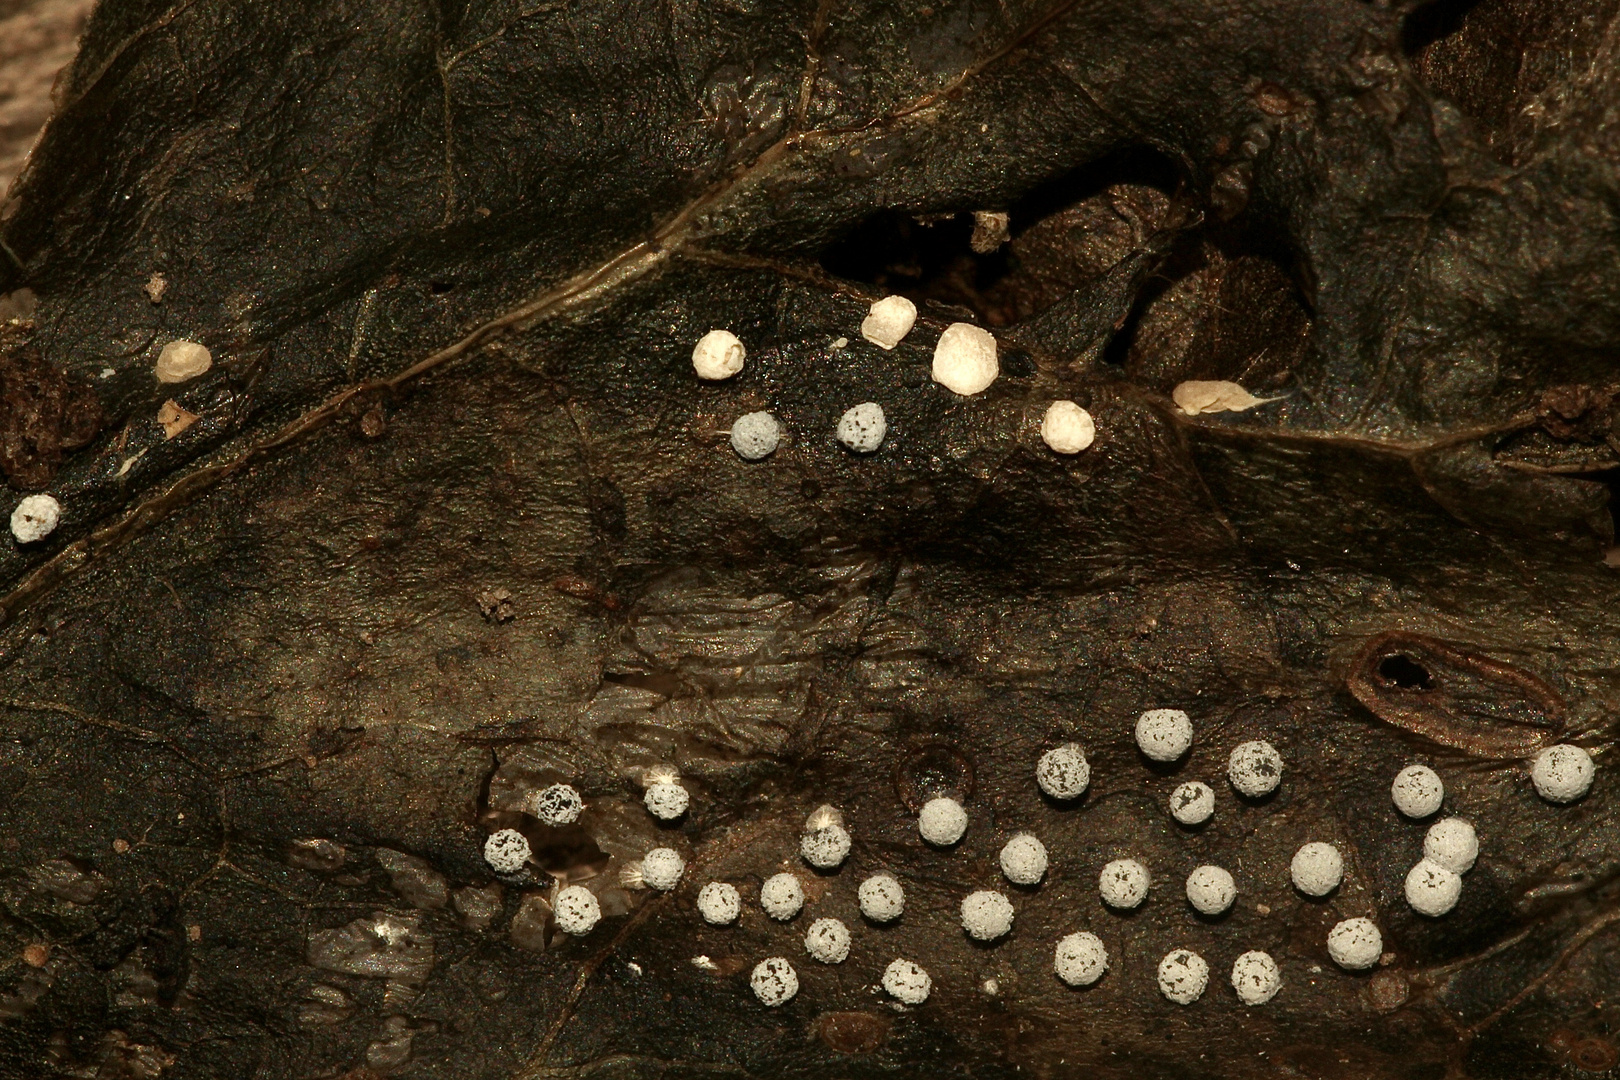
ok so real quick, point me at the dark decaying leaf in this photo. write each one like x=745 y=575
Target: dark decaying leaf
x=452 y=521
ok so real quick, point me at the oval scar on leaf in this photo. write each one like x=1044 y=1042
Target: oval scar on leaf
x=1455 y=697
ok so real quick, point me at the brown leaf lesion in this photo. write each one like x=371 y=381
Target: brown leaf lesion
x=1456 y=697
x=44 y=413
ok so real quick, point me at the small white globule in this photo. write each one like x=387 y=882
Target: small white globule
x=986 y=915
x=719 y=903
x=1123 y=883
x=781 y=896
x=35 y=518
x=1255 y=768
x=1067 y=428
x=1063 y=772
x=1453 y=844
x=882 y=899
x=862 y=427
x=888 y=321
x=755 y=435
x=1561 y=773
x=827 y=940
x=1211 y=890
x=506 y=851
x=965 y=359
x=181 y=361
x=1080 y=959
x=825 y=843
x=1164 y=734
x=1192 y=803
x=557 y=805
x=1183 y=975
x=666 y=802
x=1255 y=978
x=1355 y=944
x=1023 y=859
x=774 y=981
x=661 y=868
x=576 y=910
x=907 y=982
x=719 y=354
x=1417 y=791
x=1431 y=889
x=1317 y=868
x=942 y=821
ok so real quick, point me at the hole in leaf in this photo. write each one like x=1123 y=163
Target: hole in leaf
x=1434 y=22
x=1056 y=243
x=1404 y=672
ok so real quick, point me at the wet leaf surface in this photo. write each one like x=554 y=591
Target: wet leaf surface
x=452 y=520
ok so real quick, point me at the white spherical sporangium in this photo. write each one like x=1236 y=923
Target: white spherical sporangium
x=1067 y=428
x=506 y=851
x=965 y=359
x=557 y=805
x=719 y=354
x=1317 y=868
x=1183 y=975
x=1355 y=944
x=719 y=903
x=1255 y=768
x=825 y=849
x=1431 y=889
x=1063 y=772
x=1211 y=890
x=774 y=981
x=1023 y=859
x=35 y=518
x=986 y=915
x=661 y=868
x=755 y=435
x=1192 y=803
x=576 y=910
x=1562 y=773
x=1453 y=844
x=1255 y=978
x=182 y=361
x=1417 y=791
x=907 y=982
x=1080 y=959
x=827 y=941
x=862 y=427
x=888 y=321
x=666 y=802
x=942 y=821
x=1123 y=883
x=1164 y=734
x=781 y=896
x=882 y=899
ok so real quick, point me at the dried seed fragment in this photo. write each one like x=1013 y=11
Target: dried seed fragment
x=35 y=518
x=1067 y=428
x=888 y=321
x=181 y=361
x=965 y=359
x=719 y=354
